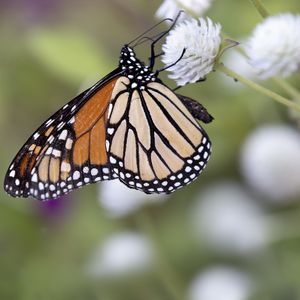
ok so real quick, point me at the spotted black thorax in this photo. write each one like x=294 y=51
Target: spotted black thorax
x=137 y=72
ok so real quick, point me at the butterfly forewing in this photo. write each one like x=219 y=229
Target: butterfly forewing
x=67 y=151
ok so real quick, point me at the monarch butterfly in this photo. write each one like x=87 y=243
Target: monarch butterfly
x=129 y=125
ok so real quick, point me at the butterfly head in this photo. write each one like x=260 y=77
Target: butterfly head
x=135 y=70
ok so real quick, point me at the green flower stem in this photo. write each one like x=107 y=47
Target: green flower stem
x=168 y=276
x=222 y=68
x=294 y=93
x=260 y=8
x=288 y=88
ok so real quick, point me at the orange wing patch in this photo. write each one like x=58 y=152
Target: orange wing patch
x=89 y=127
x=97 y=143
x=94 y=109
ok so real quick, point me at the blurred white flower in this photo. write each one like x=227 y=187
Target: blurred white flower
x=121 y=254
x=171 y=8
x=270 y=161
x=221 y=283
x=119 y=200
x=229 y=220
x=274 y=47
x=201 y=41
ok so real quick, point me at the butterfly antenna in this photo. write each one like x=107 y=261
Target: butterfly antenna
x=159 y=37
x=150 y=29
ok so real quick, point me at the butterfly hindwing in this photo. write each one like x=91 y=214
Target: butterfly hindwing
x=155 y=144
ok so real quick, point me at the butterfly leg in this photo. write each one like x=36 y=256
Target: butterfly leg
x=197 y=110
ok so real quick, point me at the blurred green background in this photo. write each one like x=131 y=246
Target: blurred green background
x=50 y=51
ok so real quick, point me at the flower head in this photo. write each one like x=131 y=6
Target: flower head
x=270 y=162
x=274 y=47
x=200 y=39
x=121 y=254
x=171 y=8
x=222 y=283
x=119 y=200
x=229 y=221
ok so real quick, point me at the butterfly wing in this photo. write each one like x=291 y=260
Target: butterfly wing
x=68 y=150
x=154 y=143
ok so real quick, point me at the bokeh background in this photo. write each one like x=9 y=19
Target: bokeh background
x=233 y=234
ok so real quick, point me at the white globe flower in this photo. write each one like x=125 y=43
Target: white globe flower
x=121 y=254
x=229 y=221
x=221 y=283
x=274 y=47
x=201 y=41
x=171 y=8
x=270 y=162
x=119 y=200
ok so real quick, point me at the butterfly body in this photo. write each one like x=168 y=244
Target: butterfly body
x=128 y=126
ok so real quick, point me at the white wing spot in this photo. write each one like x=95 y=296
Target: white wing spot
x=49 y=151
x=56 y=153
x=94 y=172
x=36 y=135
x=34 y=177
x=72 y=120
x=105 y=170
x=112 y=160
x=188 y=169
x=76 y=175
x=63 y=135
x=49 y=122
x=110 y=131
x=193 y=176
x=51 y=139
